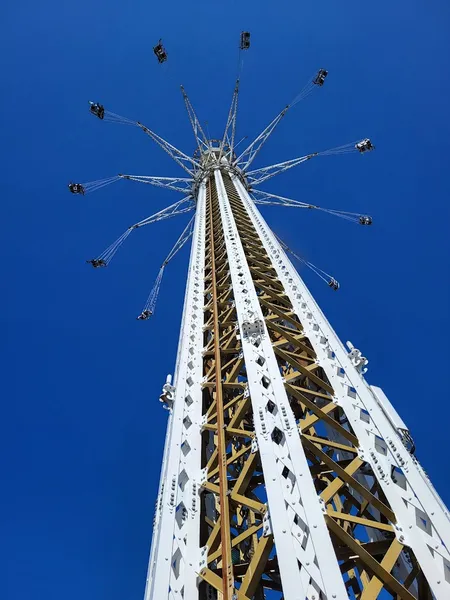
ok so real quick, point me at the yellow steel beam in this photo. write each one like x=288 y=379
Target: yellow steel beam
x=212 y=578
x=240 y=432
x=375 y=585
x=303 y=356
x=289 y=315
x=322 y=414
x=237 y=540
x=255 y=505
x=304 y=370
x=278 y=296
x=314 y=393
x=230 y=385
x=240 y=412
x=370 y=562
x=230 y=460
x=276 y=285
x=212 y=462
x=360 y=520
x=346 y=475
x=210 y=426
x=228 y=405
x=227 y=565
x=256 y=566
x=214 y=537
x=412 y=575
x=245 y=475
x=293 y=335
x=330 y=443
x=233 y=374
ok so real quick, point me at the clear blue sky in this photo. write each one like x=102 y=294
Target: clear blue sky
x=82 y=430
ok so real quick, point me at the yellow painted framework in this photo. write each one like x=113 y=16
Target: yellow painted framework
x=242 y=559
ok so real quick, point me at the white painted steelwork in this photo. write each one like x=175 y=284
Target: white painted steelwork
x=175 y=553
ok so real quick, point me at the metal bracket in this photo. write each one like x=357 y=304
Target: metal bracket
x=267 y=524
x=358 y=360
x=253 y=328
x=168 y=394
x=203 y=558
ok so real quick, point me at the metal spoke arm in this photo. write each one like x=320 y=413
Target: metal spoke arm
x=249 y=154
x=273 y=199
x=183 y=160
x=259 y=175
x=178 y=184
x=199 y=134
x=170 y=211
x=266 y=198
x=103 y=259
x=184 y=237
x=230 y=128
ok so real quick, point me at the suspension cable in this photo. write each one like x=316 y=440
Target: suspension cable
x=272 y=199
x=107 y=255
x=304 y=92
x=345 y=149
x=240 y=63
x=98 y=110
x=166 y=213
x=92 y=186
x=329 y=279
x=114 y=118
x=349 y=216
x=149 y=307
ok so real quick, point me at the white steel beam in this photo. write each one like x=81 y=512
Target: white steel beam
x=231 y=124
x=170 y=211
x=259 y=175
x=199 y=134
x=295 y=510
x=249 y=154
x=179 y=157
x=422 y=519
x=177 y=184
x=175 y=555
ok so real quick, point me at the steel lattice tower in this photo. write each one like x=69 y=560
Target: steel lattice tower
x=285 y=474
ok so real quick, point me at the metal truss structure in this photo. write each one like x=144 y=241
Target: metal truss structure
x=285 y=475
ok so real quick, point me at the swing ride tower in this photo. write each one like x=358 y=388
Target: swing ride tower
x=285 y=474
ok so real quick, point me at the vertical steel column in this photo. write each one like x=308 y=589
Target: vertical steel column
x=306 y=558
x=227 y=568
x=175 y=553
x=262 y=333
